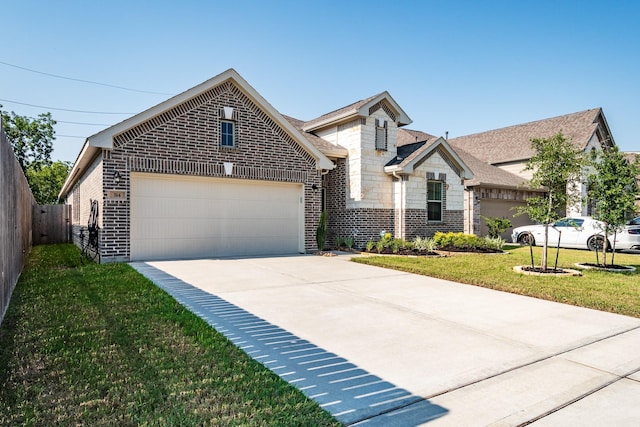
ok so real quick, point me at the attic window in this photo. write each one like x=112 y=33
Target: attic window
x=227 y=133
x=381 y=134
x=228 y=127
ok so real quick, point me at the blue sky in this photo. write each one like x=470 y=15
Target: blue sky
x=456 y=66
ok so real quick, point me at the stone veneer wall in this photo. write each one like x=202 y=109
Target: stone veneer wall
x=185 y=141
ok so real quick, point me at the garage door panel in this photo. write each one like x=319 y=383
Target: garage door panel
x=503 y=209
x=193 y=217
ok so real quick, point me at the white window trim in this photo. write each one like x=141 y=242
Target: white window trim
x=233 y=135
x=441 y=201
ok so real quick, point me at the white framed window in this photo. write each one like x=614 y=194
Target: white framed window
x=227 y=133
x=381 y=134
x=434 y=200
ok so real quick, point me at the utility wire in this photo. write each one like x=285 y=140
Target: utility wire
x=83 y=81
x=62 y=109
x=71 y=136
x=82 y=123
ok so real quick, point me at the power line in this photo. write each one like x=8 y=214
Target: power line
x=71 y=136
x=84 y=81
x=62 y=109
x=82 y=123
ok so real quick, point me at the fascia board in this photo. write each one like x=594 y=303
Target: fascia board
x=346 y=116
x=466 y=172
x=402 y=119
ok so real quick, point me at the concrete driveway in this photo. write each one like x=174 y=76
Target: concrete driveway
x=381 y=347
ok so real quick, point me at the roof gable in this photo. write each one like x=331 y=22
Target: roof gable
x=416 y=153
x=104 y=139
x=513 y=143
x=362 y=108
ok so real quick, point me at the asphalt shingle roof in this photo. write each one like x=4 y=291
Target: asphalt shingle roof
x=325 y=147
x=408 y=136
x=340 y=111
x=513 y=143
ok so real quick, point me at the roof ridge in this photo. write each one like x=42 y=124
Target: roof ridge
x=529 y=123
x=363 y=101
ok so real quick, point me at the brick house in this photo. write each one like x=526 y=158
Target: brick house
x=217 y=171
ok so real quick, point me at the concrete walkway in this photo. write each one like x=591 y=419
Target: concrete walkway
x=381 y=347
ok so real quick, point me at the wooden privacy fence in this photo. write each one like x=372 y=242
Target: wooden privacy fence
x=51 y=224
x=16 y=204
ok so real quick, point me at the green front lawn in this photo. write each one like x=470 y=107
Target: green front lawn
x=614 y=292
x=101 y=345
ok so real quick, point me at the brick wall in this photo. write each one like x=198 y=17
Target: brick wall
x=363 y=224
x=186 y=141
x=366 y=223
x=88 y=188
x=416 y=223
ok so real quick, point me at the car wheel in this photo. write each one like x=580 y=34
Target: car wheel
x=596 y=243
x=526 y=239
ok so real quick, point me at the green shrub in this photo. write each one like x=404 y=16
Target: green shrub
x=349 y=241
x=345 y=242
x=321 y=231
x=370 y=245
x=496 y=226
x=426 y=244
x=459 y=241
x=494 y=242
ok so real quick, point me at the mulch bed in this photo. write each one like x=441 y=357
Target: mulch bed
x=613 y=268
x=414 y=252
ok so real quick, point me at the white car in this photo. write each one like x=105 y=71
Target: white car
x=580 y=232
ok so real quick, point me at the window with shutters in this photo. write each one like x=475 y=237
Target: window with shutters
x=381 y=134
x=434 y=200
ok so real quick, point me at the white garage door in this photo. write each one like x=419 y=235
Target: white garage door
x=178 y=217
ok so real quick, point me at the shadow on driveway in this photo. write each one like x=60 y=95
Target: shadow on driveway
x=349 y=393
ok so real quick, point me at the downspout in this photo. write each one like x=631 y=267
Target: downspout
x=400 y=210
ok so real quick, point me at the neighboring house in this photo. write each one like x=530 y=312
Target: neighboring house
x=631 y=158
x=498 y=158
x=217 y=171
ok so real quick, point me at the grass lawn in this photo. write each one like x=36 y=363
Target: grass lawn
x=101 y=345
x=614 y=292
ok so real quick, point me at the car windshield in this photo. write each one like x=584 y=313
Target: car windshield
x=635 y=221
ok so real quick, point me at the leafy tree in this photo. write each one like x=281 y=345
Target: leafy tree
x=557 y=167
x=613 y=189
x=47 y=181
x=31 y=139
